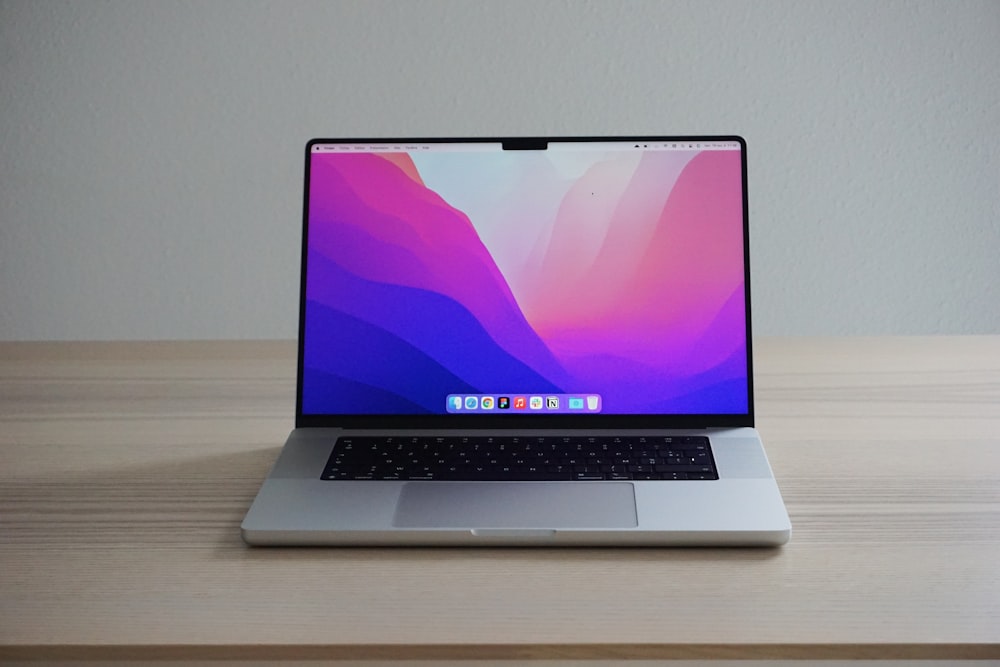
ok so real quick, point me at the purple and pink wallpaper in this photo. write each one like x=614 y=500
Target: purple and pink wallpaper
x=609 y=272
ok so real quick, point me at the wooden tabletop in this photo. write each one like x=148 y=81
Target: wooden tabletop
x=126 y=468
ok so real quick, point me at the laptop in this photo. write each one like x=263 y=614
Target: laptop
x=523 y=341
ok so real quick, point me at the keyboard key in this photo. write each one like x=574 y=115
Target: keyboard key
x=682 y=468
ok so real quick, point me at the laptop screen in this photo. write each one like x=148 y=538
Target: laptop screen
x=542 y=279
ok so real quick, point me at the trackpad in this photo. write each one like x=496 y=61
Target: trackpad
x=554 y=505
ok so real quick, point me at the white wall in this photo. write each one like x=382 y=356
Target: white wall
x=150 y=178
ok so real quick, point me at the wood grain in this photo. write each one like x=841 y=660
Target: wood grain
x=125 y=469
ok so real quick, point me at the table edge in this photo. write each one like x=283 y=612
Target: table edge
x=772 y=651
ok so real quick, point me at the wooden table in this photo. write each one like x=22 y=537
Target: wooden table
x=125 y=469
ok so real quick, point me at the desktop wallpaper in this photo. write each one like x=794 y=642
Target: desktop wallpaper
x=611 y=272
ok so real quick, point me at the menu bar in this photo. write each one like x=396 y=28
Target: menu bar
x=406 y=147
x=554 y=146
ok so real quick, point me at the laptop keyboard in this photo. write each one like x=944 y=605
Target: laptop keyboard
x=541 y=458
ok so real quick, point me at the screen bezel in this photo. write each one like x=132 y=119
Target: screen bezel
x=525 y=421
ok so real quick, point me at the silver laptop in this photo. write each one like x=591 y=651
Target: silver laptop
x=523 y=341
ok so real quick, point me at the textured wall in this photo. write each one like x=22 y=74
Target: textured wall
x=150 y=178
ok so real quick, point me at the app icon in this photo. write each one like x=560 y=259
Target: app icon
x=520 y=403
x=471 y=402
x=487 y=403
x=503 y=402
x=551 y=402
x=535 y=402
x=455 y=402
x=575 y=403
x=591 y=402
